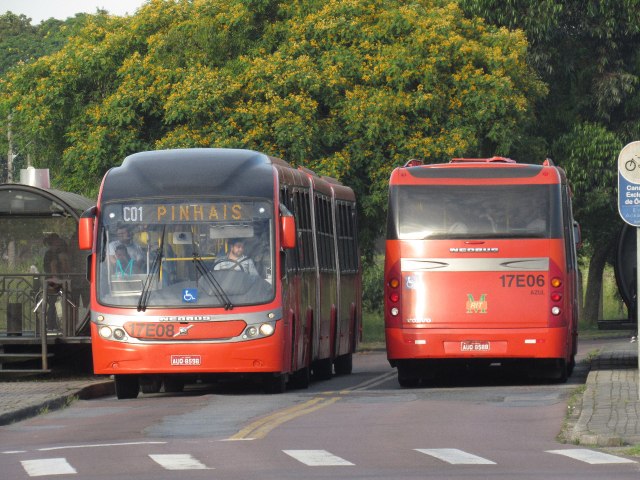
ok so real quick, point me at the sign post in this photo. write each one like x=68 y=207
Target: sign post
x=629 y=208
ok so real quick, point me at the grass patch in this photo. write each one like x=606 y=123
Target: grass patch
x=372 y=330
x=633 y=451
x=574 y=406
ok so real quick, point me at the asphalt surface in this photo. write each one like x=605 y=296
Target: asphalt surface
x=605 y=415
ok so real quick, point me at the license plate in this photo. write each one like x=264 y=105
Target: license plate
x=185 y=360
x=473 y=346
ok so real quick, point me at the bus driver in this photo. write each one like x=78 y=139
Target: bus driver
x=235 y=259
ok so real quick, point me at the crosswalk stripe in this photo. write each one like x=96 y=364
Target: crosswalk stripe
x=47 y=466
x=317 y=458
x=591 y=456
x=178 y=462
x=455 y=456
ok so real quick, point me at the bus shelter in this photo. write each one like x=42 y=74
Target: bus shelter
x=44 y=292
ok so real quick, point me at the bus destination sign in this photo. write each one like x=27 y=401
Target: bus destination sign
x=172 y=213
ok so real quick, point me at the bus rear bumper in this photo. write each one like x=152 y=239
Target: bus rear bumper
x=542 y=343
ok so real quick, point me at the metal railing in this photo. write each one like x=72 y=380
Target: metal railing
x=30 y=304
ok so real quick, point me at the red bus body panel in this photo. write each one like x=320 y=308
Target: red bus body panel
x=310 y=324
x=479 y=298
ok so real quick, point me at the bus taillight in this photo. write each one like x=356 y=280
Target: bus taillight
x=557 y=317
x=393 y=298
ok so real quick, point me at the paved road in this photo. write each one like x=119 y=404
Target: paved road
x=358 y=426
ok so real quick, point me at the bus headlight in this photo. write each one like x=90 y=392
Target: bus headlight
x=257 y=331
x=105 y=331
x=266 y=329
x=119 y=334
x=251 y=332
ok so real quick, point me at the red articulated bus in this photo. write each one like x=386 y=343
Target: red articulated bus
x=480 y=268
x=214 y=262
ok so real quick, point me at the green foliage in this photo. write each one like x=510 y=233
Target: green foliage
x=586 y=52
x=373 y=285
x=350 y=88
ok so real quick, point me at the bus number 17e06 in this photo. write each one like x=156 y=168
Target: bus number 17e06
x=522 y=280
x=488 y=247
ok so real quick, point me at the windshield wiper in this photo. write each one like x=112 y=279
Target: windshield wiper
x=153 y=273
x=206 y=273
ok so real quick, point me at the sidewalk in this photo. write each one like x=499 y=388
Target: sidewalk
x=24 y=399
x=606 y=415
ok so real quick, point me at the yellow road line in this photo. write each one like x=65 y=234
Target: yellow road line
x=261 y=427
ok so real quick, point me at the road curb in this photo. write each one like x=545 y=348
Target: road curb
x=59 y=401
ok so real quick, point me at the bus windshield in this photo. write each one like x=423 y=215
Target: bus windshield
x=181 y=253
x=474 y=211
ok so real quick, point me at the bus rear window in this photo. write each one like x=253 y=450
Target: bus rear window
x=484 y=211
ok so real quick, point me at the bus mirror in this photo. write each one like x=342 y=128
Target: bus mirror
x=577 y=234
x=288 y=232
x=85 y=233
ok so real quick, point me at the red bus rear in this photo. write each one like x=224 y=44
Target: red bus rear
x=480 y=268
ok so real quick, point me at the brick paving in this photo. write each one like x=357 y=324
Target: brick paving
x=608 y=414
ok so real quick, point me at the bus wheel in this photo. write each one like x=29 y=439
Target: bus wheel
x=275 y=383
x=572 y=365
x=173 y=384
x=344 y=364
x=407 y=378
x=561 y=371
x=127 y=386
x=150 y=383
x=323 y=369
x=301 y=378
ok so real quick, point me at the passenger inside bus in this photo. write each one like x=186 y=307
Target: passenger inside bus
x=134 y=251
x=124 y=263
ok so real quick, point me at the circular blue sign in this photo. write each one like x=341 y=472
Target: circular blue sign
x=629 y=184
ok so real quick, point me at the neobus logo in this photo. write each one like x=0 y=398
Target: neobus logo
x=477 y=306
x=474 y=250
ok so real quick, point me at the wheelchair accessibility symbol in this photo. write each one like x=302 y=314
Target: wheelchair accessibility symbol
x=190 y=295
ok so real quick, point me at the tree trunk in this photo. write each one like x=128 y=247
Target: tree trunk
x=593 y=295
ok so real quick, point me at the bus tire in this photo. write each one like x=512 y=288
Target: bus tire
x=562 y=371
x=323 y=369
x=344 y=364
x=407 y=378
x=173 y=384
x=275 y=383
x=150 y=383
x=572 y=365
x=127 y=386
x=301 y=378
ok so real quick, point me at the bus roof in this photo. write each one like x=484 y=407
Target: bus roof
x=472 y=170
x=194 y=171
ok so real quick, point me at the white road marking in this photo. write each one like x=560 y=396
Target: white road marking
x=455 y=456
x=178 y=462
x=591 y=456
x=47 y=466
x=317 y=458
x=100 y=445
